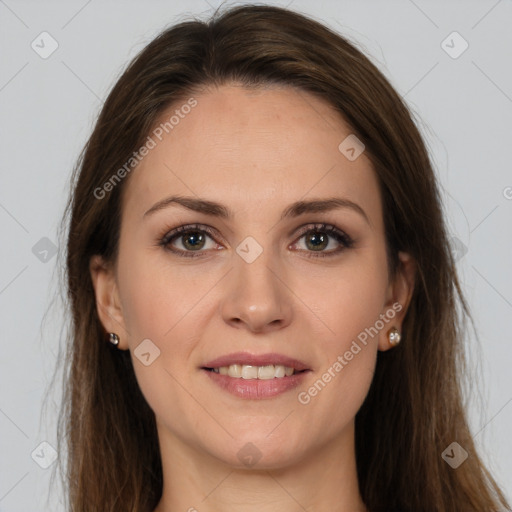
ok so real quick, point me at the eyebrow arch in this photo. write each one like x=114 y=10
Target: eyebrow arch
x=294 y=210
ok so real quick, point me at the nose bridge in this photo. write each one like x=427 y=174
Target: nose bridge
x=257 y=294
x=258 y=273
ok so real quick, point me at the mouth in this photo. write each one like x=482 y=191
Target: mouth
x=248 y=372
x=243 y=365
x=253 y=376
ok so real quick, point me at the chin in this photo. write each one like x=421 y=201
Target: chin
x=256 y=451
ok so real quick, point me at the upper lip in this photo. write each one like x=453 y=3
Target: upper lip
x=245 y=358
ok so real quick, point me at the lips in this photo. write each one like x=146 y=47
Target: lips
x=244 y=358
x=256 y=376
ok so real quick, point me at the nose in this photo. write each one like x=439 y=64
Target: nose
x=257 y=297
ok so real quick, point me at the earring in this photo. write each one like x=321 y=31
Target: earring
x=394 y=336
x=113 y=338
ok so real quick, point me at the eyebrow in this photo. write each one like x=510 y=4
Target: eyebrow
x=221 y=211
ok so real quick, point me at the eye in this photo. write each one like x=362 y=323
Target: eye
x=319 y=237
x=192 y=240
x=189 y=241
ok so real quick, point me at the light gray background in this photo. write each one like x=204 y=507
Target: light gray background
x=47 y=108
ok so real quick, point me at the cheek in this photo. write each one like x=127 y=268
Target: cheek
x=348 y=299
x=157 y=294
x=162 y=302
x=159 y=303
x=349 y=307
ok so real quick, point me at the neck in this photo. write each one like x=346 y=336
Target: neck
x=323 y=480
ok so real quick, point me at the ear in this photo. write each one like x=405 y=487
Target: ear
x=107 y=299
x=400 y=291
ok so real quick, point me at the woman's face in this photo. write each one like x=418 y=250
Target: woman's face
x=258 y=280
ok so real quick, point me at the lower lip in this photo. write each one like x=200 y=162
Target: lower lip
x=255 y=389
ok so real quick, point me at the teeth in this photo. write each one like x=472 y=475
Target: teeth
x=267 y=372
x=255 y=372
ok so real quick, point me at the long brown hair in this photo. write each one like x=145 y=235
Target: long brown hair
x=414 y=409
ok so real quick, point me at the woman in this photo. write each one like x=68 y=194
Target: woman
x=262 y=292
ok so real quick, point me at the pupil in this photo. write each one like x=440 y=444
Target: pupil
x=195 y=237
x=318 y=240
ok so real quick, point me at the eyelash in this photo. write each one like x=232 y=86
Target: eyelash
x=332 y=231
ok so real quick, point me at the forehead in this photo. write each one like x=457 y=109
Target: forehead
x=249 y=149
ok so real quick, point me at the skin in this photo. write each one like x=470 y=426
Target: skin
x=256 y=152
